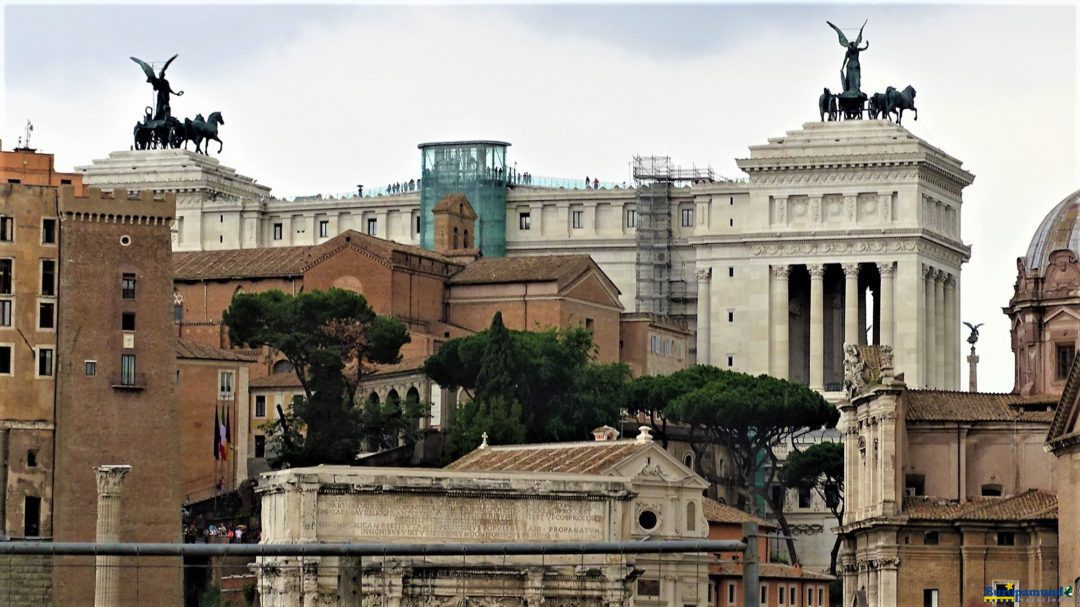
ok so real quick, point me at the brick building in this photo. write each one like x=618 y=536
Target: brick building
x=27 y=166
x=781 y=584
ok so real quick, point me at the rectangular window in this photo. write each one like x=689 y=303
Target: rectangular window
x=804 y=497
x=687 y=217
x=417 y=224
x=731 y=593
x=930 y=597
x=31 y=458
x=127 y=370
x=178 y=312
x=127 y=321
x=764 y=594
x=7 y=229
x=5 y=359
x=731 y=223
x=31 y=516
x=654 y=344
x=931 y=538
x=324 y=229
x=631 y=218
x=127 y=286
x=731 y=361
x=791 y=594
x=221 y=218
x=648 y=587
x=260 y=445
x=524 y=221
x=5 y=312
x=914 y=485
x=48 y=277
x=731 y=316
x=1065 y=355
x=372 y=226
x=589 y=324
x=260 y=406
x=821 y=596
x=225 y=385
x=48 y=231
x=46 y=315
x=6 y=271
x=731 y=272
x=780 y=596
x=1006 y=538
x=809 y=597
x=278 y=231
x=577 y=219
x=90 y=367
x=44 y=362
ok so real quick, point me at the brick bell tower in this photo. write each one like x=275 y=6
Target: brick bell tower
x=455 y=228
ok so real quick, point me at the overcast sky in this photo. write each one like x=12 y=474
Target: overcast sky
x=320 y=98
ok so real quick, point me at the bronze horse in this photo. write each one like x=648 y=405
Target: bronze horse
x=898 y=101
x=200 y=130
x=827 y=106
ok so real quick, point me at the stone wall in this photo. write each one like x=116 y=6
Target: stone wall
x=26 y=580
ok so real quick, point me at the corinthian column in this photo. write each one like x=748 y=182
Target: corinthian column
x=110 y=484
x=851 y=304
x=780 y=336
x=952 y=348
x=886 y=330
x=704 y=316
x=929 y=328
x=940 y=361
x=817 y=326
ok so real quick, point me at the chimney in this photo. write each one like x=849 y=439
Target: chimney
x=605 y=434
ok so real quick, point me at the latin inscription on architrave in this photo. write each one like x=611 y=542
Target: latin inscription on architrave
x=406 y=518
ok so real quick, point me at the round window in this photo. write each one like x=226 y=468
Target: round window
x=647 y=520
x=125 y=240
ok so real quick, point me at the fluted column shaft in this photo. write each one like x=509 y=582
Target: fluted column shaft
x=940 y=360
x=704 y=315
x=110 y=482
x=930 y=328
x=886 y=330
x=817 y=326
x=851 y=304
x=780 y=336
x=952 y=335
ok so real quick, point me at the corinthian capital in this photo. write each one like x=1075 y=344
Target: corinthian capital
x=704 y=273
x=781 y=271
x=886 y=268
x=816 y=270
x=851 y=269
x=110 y=479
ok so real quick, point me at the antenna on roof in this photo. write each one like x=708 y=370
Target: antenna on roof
x=24 y=141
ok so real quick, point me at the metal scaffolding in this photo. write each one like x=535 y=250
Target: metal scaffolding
x=653 y=177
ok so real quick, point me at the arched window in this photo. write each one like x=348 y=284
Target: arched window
x=373 y=398
x=691 y=516
x=465 y=242
x=413 y=395
x=688 y=459
x=282 y=366
x=455 y=237
x=392 y=397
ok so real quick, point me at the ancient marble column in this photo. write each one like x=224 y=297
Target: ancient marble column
x=851 y=304
x=930 y=328
x=939 y=328
x=952 y=334
x=110 y=485
x=704 y=316
x=781 y=336
x=886 y=330
x=817 y=326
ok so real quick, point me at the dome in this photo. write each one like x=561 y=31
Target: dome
x=1059 y=230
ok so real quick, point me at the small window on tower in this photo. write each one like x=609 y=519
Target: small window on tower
x=278 y=231
x=31 y=458
x=127 y=286
x=48 y=231
x=7 y=229
x=324 y=229
x=524 y=221
x=127 y=321
x=372 y=226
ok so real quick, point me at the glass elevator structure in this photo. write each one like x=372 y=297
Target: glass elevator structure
x=476 y=169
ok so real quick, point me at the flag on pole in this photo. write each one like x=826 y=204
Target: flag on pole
x=224 y=441
x=217 y=434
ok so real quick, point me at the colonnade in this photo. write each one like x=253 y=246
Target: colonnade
x=941 y=365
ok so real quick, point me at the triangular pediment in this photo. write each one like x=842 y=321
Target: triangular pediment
x=657 y=465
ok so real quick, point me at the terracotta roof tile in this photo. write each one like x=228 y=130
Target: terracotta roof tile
x=277 y=380
x=193 y=350
x=1033 y=504
x=945 y=405
x=717 y=512
x=286 y=261
x=596 y=457
x=541 y=268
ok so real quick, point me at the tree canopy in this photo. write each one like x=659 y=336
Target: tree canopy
x=547 y=377
x=333 y=339
x=820 y=468
x=749 y=416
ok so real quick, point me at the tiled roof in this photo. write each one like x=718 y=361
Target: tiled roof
x=596 y=457
x=541 y=268
x=193 y=350
x=1033 y=504
x=284 y=261
x=945 y=405
x=448 y=202
x=774 y=571
x=239 y=263
x=277 y=380
x=716 y=512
